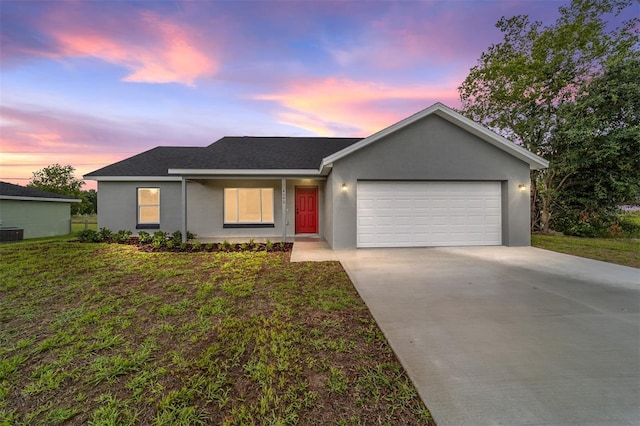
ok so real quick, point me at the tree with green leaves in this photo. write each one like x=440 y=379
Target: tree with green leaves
x=598 y=145
x=59 y=180
x=530 y=86
x=91 y=197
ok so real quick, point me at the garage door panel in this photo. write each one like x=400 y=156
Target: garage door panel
x=492 y=220
x=420 y=221
x=405 y=214
x=459 y=220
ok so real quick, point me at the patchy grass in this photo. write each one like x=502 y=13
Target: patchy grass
x=106 y=334
x=631 y=217
x=79 y=222
x=77 y=227
x=622 y=251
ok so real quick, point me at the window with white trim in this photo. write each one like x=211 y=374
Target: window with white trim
x=248 y=206
x=148 y=206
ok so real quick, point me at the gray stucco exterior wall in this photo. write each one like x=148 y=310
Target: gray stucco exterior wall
x=118 y=205
x=205 y=207
x=429 y=149
x=37 y=218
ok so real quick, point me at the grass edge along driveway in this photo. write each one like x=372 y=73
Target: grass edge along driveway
x=621 y=251
x=104 y=334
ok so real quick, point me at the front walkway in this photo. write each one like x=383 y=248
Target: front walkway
x=307 y=249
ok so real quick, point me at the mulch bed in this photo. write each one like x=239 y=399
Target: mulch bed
x=196 y=247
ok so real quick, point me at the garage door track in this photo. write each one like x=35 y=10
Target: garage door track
x=509 y=336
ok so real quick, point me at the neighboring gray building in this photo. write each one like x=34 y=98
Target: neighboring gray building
x=38 y=213
x=433 y=179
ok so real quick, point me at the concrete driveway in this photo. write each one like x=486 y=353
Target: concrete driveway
x=509 y=336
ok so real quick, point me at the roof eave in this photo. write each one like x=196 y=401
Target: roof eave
x=133 y=178
x=24 y=198
x=245 y=172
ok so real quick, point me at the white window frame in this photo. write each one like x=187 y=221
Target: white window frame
x=140 y=205
x=237 y=207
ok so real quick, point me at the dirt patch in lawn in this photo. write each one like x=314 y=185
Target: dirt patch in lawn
x=110 y=334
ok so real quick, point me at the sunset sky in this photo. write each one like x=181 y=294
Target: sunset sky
x=88 y=83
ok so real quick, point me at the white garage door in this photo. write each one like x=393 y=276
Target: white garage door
x=421 y=214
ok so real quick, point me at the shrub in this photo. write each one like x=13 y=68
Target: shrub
x=191 y=235
x=584 y=224
x=144 y=237
x=176 y=237
x=89 y=236
x=159 y=239
x=268 y=245
x=105 y=234
x=225 y=246
x=122 y=236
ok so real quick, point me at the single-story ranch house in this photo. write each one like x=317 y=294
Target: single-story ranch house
x=37 y=213
x=433 y=179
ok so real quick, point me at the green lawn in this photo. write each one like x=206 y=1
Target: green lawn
x=623 y=251
x=633 y=217
x=105 y=334
x=78 y=223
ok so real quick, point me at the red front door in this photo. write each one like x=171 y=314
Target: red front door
x=306 y=209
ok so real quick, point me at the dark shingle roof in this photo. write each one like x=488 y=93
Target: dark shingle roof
x=235 y=153
x=154 y=162
x=12 y=190
x=270 y=153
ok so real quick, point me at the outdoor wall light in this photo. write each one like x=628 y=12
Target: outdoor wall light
x=344 y=186
x=522 y=187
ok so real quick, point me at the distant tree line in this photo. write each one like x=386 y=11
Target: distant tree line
x=61 y=180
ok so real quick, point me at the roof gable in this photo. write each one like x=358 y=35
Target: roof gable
x=535 y=162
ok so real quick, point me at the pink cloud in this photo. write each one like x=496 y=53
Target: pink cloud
x=163 y=52
x=32 y=139
x=344 y=107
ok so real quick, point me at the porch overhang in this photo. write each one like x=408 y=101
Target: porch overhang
x=274 y=173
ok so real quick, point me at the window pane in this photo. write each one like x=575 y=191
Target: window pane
x=230 y=205
x=148 y=196
x=267 y=205
x=148 y=205
x=249 y=205
x=149 y=214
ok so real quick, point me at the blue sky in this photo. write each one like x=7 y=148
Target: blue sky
x=90 y=83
